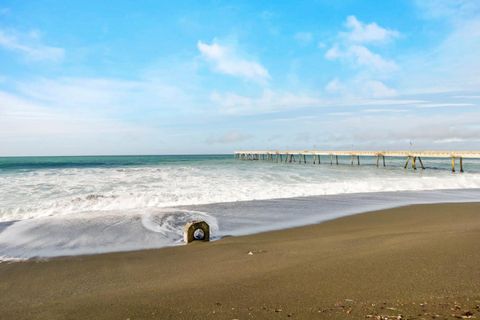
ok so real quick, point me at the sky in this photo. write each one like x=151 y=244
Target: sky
x=196 y=77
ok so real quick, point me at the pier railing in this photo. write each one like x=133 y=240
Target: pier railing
x=290 y=156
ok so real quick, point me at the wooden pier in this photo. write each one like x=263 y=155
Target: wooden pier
x=411 y=157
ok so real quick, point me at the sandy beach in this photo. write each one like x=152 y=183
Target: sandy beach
x=327 y=152
x=415 y=262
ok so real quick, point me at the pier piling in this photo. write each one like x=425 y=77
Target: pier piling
x=406 y=163
x=421 y=163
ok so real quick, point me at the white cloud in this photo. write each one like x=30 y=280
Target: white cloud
x=360 y=89
x=30 y=46
x=397 y=127
x=90 y=116
x=362 y=56
x=450 y=140
x=351 y=46
x=100 y=94
x=370 y=68
x=229 y=138
x=367 y=33
x=334 y=53
x=351 y=49
x=383 y=110
x=303 y=37
x=445 y=105
x=353 y=94
x=450 y=9
x=468 y=96
x=225 y=60
x=334 y=86
x=378 y=89
x=268 y=101
x=340 y=114
x=451 y=65
x=31 y=128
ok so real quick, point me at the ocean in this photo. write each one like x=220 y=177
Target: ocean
x=56 y=206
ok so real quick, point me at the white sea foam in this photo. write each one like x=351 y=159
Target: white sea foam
x=54 y=192
x=91 y=233
x=53 y=212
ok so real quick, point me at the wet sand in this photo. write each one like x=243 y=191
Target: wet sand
x=415 y=262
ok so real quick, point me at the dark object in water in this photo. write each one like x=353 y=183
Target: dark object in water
x=196 y=231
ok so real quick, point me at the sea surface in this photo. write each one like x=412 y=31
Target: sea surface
x=55 y=206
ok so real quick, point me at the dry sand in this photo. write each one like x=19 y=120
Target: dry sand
x=416 y=262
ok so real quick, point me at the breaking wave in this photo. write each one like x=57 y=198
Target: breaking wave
x=48 y=211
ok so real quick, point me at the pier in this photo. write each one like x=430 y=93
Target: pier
x=332 y=157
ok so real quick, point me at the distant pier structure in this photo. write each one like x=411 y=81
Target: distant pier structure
x=332 y=157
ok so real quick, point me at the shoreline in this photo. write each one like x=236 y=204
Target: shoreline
x=335 y=206
x=419 y=259
x=47 y=259
x=116 y=232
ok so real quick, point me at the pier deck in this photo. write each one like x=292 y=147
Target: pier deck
x=289 y=156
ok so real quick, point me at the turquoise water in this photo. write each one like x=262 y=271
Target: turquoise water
x=11 y=163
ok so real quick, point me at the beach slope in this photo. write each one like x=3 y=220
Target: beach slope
x=405 y=263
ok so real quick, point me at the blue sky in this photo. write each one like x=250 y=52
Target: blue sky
x=152 y=77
